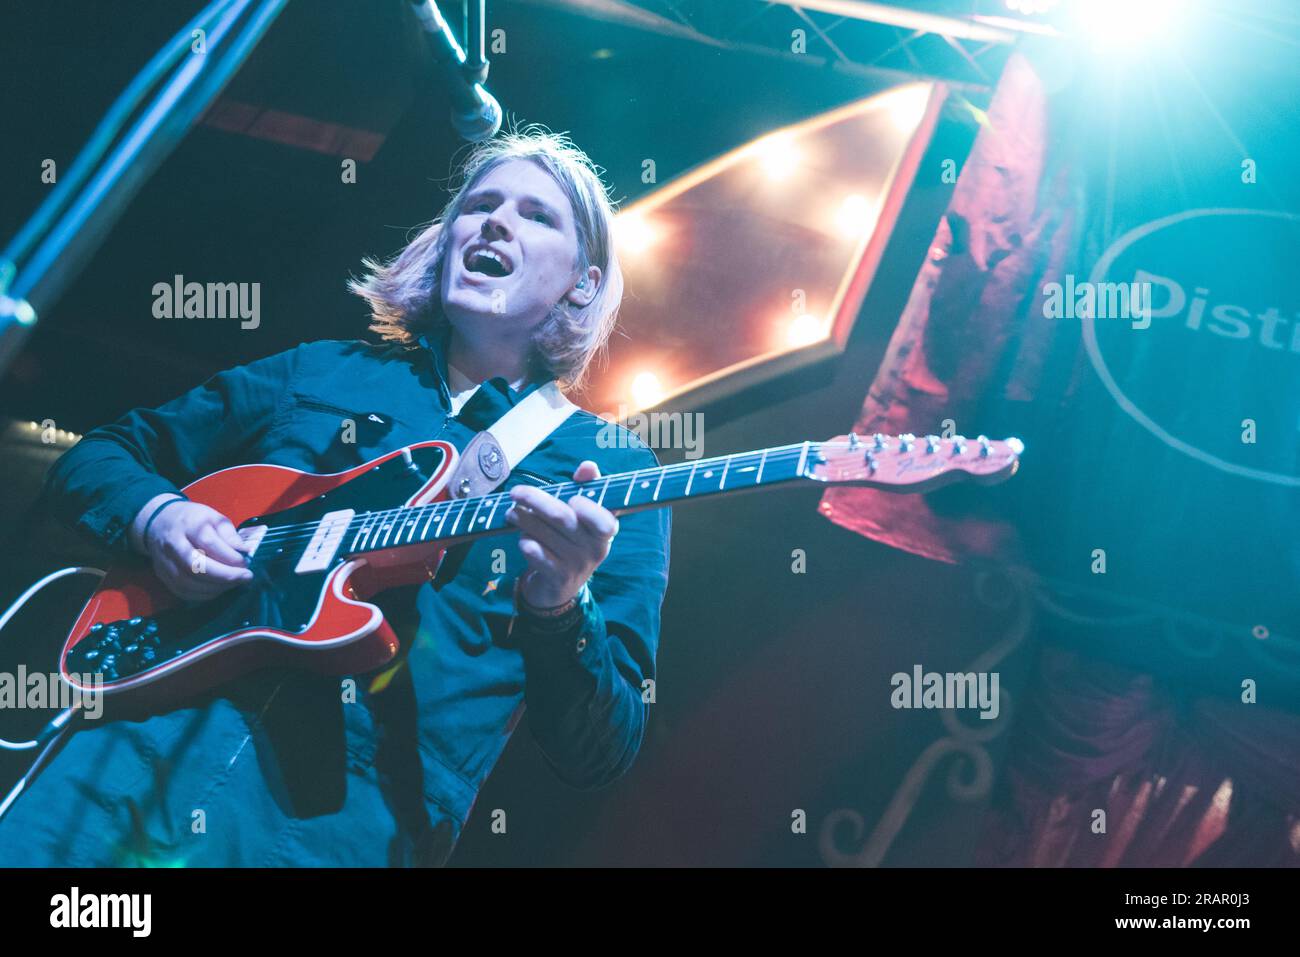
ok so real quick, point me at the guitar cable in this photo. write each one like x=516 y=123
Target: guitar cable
x=53 y=732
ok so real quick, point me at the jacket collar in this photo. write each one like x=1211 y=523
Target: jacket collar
x=494 y=397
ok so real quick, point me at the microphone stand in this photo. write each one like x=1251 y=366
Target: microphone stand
x=475 y=113
x=73 y=222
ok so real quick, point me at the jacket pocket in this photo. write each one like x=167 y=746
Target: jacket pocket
x=358 y=428
x=307 y=401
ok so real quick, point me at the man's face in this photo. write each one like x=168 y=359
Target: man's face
x=519 y=212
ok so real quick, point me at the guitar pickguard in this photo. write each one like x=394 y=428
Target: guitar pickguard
x=280 y=602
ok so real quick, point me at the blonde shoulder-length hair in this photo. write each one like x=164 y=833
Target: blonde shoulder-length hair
x=404 y=292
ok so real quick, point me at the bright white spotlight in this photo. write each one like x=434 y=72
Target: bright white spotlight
x=633 y=234
x=906 y=106
x=1031 y=7
x=1124 y=24
x=805 y=329
x=646 y=390
x=855 y=216
x=778 y=155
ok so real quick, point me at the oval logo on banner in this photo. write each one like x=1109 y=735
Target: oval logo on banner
x=1211 y=364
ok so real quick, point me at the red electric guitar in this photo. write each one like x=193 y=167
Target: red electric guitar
x=319 y=545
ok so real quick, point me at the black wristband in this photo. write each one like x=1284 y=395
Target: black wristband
x=144 y=534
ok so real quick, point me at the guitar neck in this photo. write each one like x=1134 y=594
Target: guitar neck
x=457 y=520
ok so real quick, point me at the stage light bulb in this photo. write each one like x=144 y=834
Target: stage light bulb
x=906 y=106
x=805 y=329
x=633 y=234
x=855 y=216
x=646 y=390
x=778 y=156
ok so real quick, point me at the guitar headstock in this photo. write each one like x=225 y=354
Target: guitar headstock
x=907 y=463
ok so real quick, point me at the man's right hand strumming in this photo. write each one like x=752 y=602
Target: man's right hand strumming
x=195 y=550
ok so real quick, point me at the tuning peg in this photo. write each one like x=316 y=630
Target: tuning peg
x=959 y=445
x=853 y=440
x=871 y=463
x=905 y=442
x=879 y=441
x=983 y=440
x=931 y=444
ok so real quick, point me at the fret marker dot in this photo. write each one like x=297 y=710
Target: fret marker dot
x=591 y=495
x=645 y=484
x=709 y=473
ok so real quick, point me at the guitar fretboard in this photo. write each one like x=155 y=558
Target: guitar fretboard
x=459 y=519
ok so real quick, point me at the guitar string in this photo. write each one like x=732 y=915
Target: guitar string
x=352 y=529
x=305 y=530
x=290 y=534
x=779 y=455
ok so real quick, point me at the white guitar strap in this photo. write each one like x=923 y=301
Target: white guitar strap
x=492 y=454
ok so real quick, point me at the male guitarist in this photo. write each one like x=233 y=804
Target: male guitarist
x=516 y=284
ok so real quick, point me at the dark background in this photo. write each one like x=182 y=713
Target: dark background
x=773 y=687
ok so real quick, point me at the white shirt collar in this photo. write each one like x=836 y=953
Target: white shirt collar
x=457 y=381
x=462 y=388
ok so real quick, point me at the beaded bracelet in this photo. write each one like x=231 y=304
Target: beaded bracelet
x=554 y=611
x=557 y=618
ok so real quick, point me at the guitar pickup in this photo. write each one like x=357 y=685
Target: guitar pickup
x=252 y=537
x=325 y=542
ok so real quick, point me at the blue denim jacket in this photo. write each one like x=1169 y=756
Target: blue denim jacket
x=285 y=768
